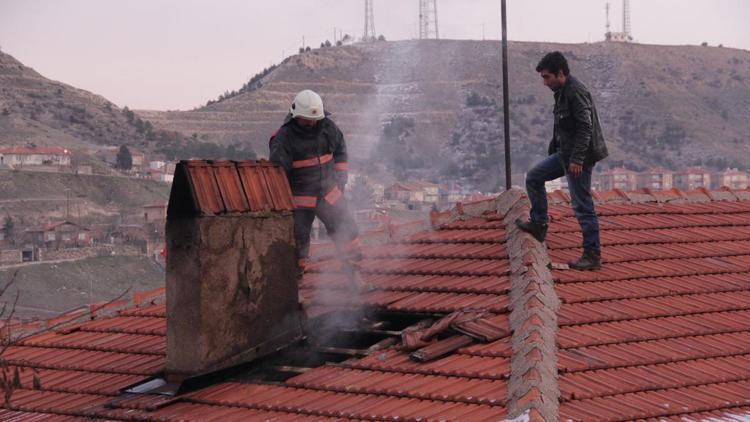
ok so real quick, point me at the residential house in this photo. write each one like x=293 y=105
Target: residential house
x=692 y=178
x=414 y=194
x=451 y=193
x=156 y=212
x=159 y=175
x=139 y=158
x=63 y=234
x=618 y=178
x=658 y=178
x=731 y=178
x=109 y=155
x=32 y=155
x=157 y=164
x=561 y=183
x=661 y=332
x=378 y=191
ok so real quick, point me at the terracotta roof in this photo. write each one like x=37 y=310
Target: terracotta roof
x=228 y=187
x=731 y=172
x=619 y=170
x=413 y=186
x=24 y=150
x=662 y=332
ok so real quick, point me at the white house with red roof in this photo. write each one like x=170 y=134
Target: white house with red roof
x=417 y=193
x=658 y=178
x=32 y=155
x=731 y=178
x=618 y=178
x=692 y=178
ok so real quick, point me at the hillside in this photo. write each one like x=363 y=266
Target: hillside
x=47 y=289
x=660 y=105
x=35 y=197
x=34 y=109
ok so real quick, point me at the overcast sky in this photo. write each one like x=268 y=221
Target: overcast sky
x=177 y=54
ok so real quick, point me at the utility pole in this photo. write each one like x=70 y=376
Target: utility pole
x=369 y=34
x=506 y=99
x=67 y=203
x=428 y=21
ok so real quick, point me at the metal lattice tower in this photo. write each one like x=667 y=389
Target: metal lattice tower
x=626 y=18
x=606 y=8
x=369 y=34
x=624 y=35
x=428 y=20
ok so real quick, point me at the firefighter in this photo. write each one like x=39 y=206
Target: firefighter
x=311 y=148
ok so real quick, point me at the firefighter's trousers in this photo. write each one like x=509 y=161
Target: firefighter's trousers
x=339 y=224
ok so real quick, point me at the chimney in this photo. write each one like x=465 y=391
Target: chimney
x=231 y=266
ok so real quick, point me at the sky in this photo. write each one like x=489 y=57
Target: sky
x=178 y=54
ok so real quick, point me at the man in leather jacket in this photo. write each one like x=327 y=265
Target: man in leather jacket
x=312 y=150
x=577 y=145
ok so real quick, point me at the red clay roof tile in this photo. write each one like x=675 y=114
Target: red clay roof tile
x=219 y=187
x=662 y=330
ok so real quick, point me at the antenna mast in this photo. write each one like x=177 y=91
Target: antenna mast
x=369 y=34
x=608 y=33
x=626 y=19
x=624 y=35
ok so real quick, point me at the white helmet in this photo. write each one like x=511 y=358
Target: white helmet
x=309 y=105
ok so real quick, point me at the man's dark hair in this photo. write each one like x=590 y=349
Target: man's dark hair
x=553 y=62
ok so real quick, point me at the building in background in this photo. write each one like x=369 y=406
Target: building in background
x=618 y=178
x=692 y=178
x=658 y=178
x=731 y=178
x=414 y=194
x=32 y=155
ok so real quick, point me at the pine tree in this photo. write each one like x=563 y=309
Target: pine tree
x=124 y=159
x=8 y=227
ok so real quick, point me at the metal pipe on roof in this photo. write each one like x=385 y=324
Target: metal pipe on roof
x=506 y=101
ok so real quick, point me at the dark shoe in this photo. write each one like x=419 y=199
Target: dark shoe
x=587 y=261
x=539 y=231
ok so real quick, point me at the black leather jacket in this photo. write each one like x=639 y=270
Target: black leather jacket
x=577 y=134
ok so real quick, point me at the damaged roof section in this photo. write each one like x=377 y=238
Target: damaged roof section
x=204 y=188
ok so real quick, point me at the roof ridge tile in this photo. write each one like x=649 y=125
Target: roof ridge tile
x=533 y=385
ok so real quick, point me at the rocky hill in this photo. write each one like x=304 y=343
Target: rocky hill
x=34 y=109
x=660 y=105
x=426 y=109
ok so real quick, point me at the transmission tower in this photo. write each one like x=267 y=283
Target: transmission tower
x=428 y=19
x=624 y=35
x=626 y=18
x=608 y=33
x=369 y=34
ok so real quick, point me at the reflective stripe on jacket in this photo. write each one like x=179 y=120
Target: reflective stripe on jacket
x=315 y=158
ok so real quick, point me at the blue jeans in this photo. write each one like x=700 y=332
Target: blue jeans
x=579 y=187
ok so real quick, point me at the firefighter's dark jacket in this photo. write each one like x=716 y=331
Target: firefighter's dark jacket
x=314 y=158
x=577 y=133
